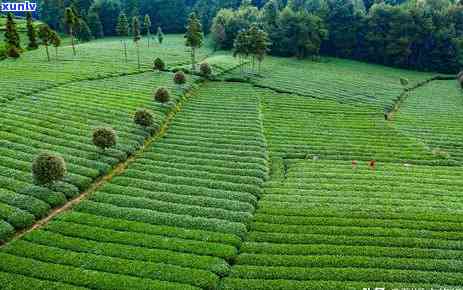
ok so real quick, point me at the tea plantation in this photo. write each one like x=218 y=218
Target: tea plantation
x=291 y=179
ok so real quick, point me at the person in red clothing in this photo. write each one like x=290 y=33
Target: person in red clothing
x=354 y=164
x=373 y=164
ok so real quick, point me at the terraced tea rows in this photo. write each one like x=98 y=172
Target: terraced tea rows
x=344 y=81
x=97 y=59
x=300 y=127
x=173 y=220
x=61 y=120
x=433 y=114
x=329 y=226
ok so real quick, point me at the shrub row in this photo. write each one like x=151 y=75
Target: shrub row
x=99 y=262
x=142 y=240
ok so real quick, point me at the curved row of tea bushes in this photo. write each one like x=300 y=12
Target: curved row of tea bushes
x=300 y=127
x=332 y=224
x=61 y=120
x=175 y=218
x=32 y=73
x=344 y=81
x=432 y=114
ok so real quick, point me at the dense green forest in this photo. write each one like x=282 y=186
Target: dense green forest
x=416 y=34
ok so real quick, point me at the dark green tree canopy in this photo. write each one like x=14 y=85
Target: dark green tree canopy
x=11 y=32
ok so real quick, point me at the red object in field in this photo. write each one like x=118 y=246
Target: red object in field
x=373 y=164
x=354 y=164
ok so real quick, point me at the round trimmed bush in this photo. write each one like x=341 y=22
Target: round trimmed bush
x=143 y=118
x=13 y=52
x=205 y=69
x=48 y=168
x=162 y=95
x=179 y=78
x=104 y=138
x=159 y=64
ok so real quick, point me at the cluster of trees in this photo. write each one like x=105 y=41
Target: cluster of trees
x=171 y=15
x=417 y=34
x=253 y=44
x=43 y=33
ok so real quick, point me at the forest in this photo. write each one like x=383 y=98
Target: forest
x=414 y=34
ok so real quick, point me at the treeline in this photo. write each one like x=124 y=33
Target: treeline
x=171 y=15
x=423 y=35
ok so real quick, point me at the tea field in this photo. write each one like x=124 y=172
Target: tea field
x=291 y=179
x=433 y=114
x=61 y=120
x=95 y=60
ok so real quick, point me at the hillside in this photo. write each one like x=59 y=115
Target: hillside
x=259 y=182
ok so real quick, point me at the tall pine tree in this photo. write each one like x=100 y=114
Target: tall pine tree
x=11 y=33
x=31 y=33
x=194 y=38
x=160 y=35
x=55 y=41
x=122 y=29
x=147 y=28
x=45 y=35
x=72 y=22
x=136 y=36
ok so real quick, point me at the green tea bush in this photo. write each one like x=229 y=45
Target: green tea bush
x=48 y=168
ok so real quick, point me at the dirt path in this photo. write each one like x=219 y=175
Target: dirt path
x=117 y=170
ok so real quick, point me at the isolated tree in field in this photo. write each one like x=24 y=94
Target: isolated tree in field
x=71 y=21
x=159 y=64
x=55 y=41
x=194 y=38
x=261 y=46
x=179 y=79
x=143 y=118
x=146 y=31
x=136 y=36
x=31 y=33
x=45 y=37
x=205 y=70
x=160 y=35
x=104 y=138
x=48 y=168
x=162 y=95
x=241 y=48
x=122 y=29
x=11 y=33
